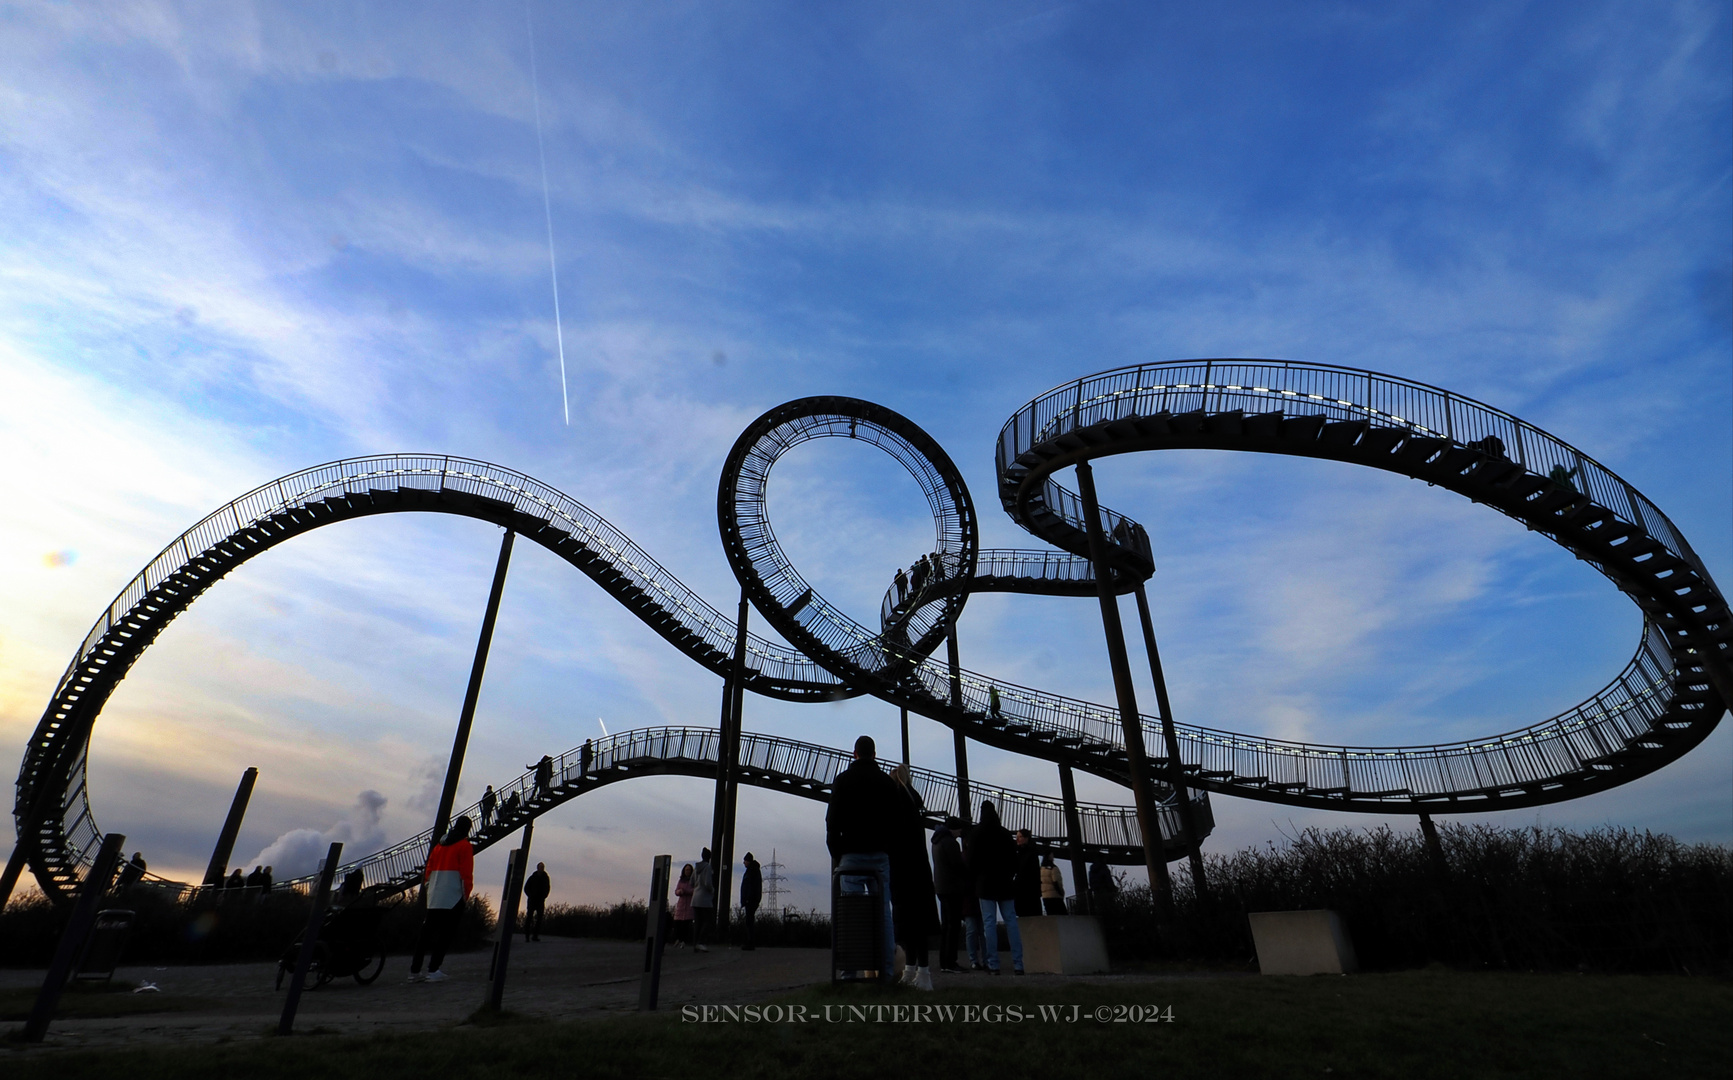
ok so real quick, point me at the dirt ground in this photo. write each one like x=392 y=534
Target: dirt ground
x=559 y=978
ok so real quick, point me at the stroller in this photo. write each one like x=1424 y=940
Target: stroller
x=348 y=944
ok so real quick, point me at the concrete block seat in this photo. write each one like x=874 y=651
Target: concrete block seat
x=1063 y=944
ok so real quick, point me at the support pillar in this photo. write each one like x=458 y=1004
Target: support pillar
x=1136 y=760
x=90 y=894
x=219 y=864
x=1175 y=766
x=309 y=939
x=14 y=868
x=515 y=863
x=959 y=740
x=1434 y=848
x=1074 y=840
x=905 y=717
x=460 y=742
x=727 y=768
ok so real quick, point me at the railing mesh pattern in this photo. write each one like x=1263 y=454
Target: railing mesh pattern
x=1105 y=830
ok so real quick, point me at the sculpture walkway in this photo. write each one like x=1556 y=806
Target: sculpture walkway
x=1666 y=700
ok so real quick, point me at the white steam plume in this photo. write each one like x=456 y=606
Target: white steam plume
x=298 y=851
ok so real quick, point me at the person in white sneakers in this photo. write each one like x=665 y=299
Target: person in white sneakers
x=912 y=907
x=450 y=877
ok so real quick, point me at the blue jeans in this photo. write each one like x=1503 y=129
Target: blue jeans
x=855 y=884
x=972 y=936
x=1006 y=909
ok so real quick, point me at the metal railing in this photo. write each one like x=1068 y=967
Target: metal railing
x=1621 y=716
x=1336 y=393
x=1107 y=831
x=258 y=508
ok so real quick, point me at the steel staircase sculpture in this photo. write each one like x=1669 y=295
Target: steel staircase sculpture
x=1665 y=702
x=1108 y=833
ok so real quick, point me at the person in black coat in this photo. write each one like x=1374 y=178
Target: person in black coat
x=912 y=888
x=131 y=873
x=751 y=895
x=1101 y=882
x=867 y=819
x=1028 y=876
x=536 y=889
x=957 y=904
x=992 y=857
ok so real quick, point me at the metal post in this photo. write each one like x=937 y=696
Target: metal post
x=90 y=894
x=514 y=883
x=310 y=939
x=725 y=880
x=1434 y=848
x=14 y=865
x=219 y=864
x=727 y=790
x=1074 y=839
x=524 y=869
x=958 y=740
x=904 y=710
x=1136 y=761
x=1175 y=766
x=460 y=742
x=655 y=934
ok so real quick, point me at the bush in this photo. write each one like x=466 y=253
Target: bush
x=626 y=920
x=1526 y=899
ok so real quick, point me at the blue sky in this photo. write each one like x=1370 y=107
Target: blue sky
x=237 y=240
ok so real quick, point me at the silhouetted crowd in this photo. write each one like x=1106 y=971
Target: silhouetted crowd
x=982 y=876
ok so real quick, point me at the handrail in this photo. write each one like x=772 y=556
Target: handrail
x=1108 y=832
x=1342 y=393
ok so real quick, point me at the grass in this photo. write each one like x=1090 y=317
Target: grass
x=1434 y=1023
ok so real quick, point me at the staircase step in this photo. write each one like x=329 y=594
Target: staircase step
x=1418 y=449
x=1188 y=423
x=1492 y=470
x=1265 y=425
x=1528 y=484
x=1342 y=434
x=1456 y=459
x=1381 y=440
x=1230 y=423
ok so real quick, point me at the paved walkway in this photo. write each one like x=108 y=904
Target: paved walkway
x=559 y=978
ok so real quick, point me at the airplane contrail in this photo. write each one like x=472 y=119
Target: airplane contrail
x=604 y=726
x=548 y=213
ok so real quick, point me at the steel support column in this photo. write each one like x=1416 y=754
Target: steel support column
x=1136 y=760
x=960 y=742
x=1175 y=766
x=1074 y=840
x=90 y=895
x=218 y=867
x=1434 y=849
x=309 y=939
x=460 y=742
x=508 y=908
x=905 y=718
x=727 y=767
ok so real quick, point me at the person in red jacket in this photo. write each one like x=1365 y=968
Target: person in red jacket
x=450 y=877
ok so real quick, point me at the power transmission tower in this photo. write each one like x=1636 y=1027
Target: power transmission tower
x=773 y=883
